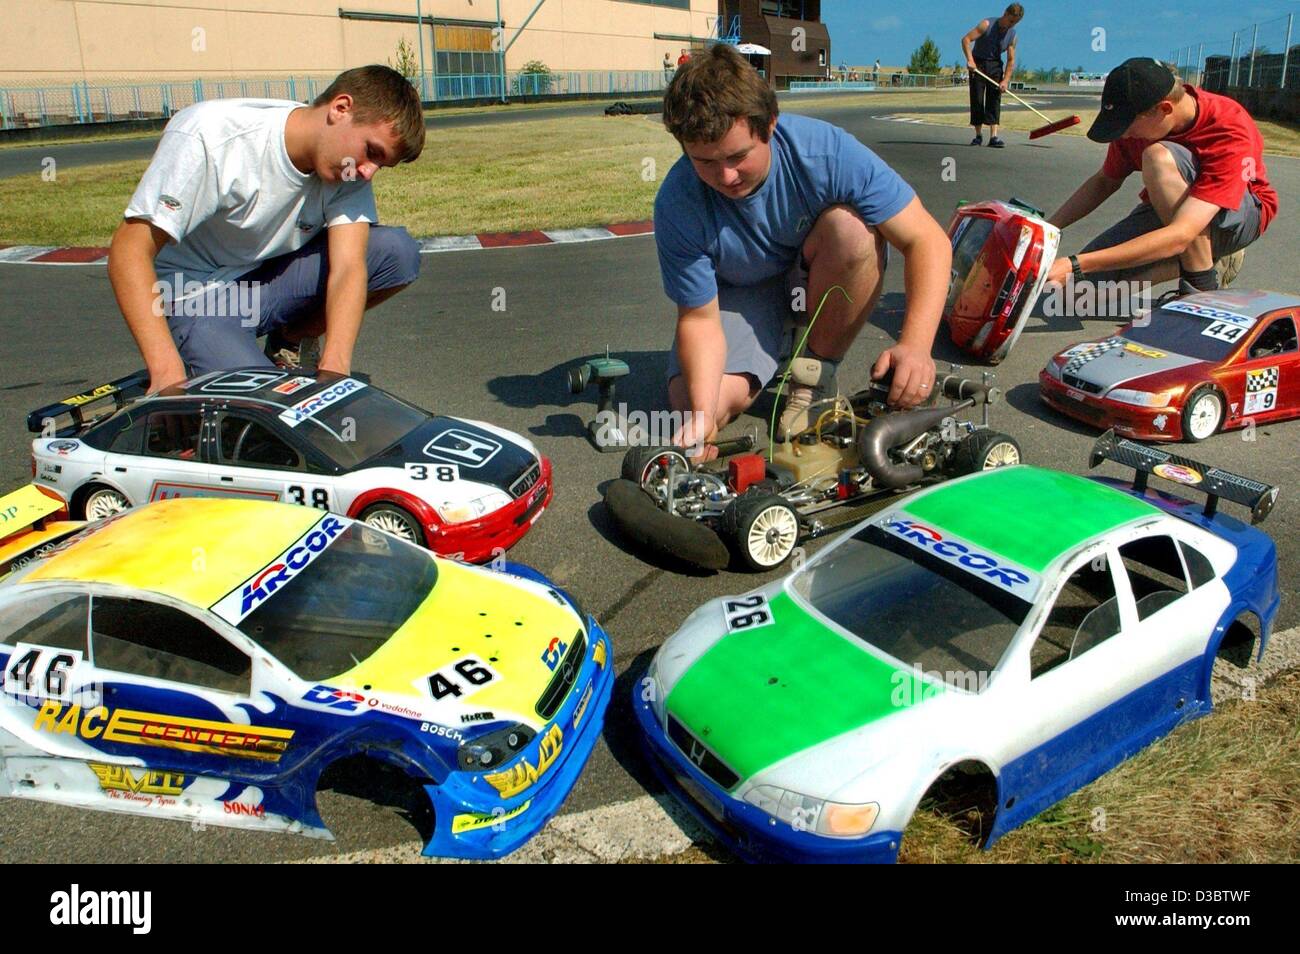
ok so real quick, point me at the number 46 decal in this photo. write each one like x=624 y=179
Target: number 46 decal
x=461 y=679
x=37 y=671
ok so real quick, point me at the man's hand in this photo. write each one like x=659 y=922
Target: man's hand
x=1003 y=85
x=699 y=446
x=1059 y=272
x=166 y=375
x=970 y=63
x=914 y=374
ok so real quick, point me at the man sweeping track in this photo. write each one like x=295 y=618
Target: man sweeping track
x=984 y=47
x=754 y=209
x=1206 y=196
x=274 y=196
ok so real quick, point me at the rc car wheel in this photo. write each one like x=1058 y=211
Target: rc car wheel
x=393 y=519
x=101 y=502
x=1202 y=414
x=645 y=465
x=985 y=450
x=763 y=528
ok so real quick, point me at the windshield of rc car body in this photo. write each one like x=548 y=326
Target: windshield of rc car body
x=1193 y=336
x=972 y=235
x=336 y=610
x=359 y=425
x=911 y=604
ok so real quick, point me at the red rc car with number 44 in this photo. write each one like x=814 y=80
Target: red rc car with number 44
x=1192 y=367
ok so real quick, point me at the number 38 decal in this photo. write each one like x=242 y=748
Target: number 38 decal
x=461 y=679
x=747 y=612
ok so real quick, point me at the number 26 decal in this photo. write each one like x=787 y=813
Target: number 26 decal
x=747 y=612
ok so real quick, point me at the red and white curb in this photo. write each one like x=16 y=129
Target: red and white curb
x=54 y=255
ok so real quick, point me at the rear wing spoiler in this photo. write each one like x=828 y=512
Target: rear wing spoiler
x=1214 y=482
x=25 y=508
x=70 y=416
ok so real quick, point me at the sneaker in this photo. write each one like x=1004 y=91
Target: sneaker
x=811 y=380
x=291 y=357
x=996 y=143
x=978 y=140
x=1229 y=266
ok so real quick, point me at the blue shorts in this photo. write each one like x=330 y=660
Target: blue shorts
x=220 y=330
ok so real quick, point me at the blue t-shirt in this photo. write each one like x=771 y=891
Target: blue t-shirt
x=706 y=238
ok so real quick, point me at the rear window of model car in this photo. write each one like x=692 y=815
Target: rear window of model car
x=342 y=606
x=1184 y=334
x=355 y=430
x=921 y=610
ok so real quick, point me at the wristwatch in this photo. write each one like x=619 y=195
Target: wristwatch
x=1075 y=269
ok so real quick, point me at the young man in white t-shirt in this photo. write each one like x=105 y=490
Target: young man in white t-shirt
x=256 y=217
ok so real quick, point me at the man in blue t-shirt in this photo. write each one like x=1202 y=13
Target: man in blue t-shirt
x=755 y=210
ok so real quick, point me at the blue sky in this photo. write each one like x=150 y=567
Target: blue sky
x=1054 y=32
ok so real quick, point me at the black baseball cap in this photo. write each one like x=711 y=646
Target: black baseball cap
x=1133 y=87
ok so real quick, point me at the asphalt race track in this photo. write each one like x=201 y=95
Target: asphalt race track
x=441 y=345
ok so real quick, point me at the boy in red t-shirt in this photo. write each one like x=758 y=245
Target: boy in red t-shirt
x=1206 y=194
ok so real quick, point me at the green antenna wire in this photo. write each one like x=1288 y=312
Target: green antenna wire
x=771 y=436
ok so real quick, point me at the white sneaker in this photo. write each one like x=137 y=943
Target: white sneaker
x=811 y=380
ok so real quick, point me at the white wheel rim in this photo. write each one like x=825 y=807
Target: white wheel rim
x=772 y=535
x=105 y=503
x=1001 y=454
x=390 y=522
x=1205 y=416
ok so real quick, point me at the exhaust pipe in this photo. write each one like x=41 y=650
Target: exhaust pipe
x=892 y=430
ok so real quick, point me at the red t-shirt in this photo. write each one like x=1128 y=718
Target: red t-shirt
x=1222 y=138
x=683 y=58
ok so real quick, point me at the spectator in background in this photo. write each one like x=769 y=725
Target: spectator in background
x=668 y=68
x=984 y=47
x=684 y=58
x=875 y=71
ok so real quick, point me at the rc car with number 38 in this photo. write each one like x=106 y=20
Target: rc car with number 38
x=462 y=488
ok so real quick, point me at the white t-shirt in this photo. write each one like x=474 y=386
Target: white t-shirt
x=222 y=186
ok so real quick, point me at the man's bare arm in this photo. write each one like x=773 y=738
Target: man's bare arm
x=927 y=267
x=1011 y=65
x=1095 y=190
x=135 y=245
x=702 y=354
x=345 y=294
x=1191 y=219
x=980 y=29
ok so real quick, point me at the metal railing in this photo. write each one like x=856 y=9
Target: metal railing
x=1260 y=56
x=22 y=105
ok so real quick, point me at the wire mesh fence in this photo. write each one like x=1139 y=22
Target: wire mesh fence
x=86 y=102
x=1263 y=55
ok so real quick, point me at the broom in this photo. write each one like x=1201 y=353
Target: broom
x=1051 y=127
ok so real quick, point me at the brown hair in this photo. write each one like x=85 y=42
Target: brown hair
x=714 y=89
x=381 y=94
x=1014 y=10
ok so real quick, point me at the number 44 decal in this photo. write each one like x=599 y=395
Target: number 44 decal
x=461 y=679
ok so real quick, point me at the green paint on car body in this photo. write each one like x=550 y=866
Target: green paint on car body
x=760 y=695
x=1026 y=514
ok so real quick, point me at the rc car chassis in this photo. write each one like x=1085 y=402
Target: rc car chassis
x=857 y=456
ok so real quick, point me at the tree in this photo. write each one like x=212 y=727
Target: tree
x=925 y=58
x=534 y=79
x=406 y=64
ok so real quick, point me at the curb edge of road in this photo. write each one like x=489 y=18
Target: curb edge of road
x=98 y=254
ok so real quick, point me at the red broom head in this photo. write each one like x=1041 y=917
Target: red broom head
x=1057 y=126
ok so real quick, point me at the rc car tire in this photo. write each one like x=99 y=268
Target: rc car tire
x=640 y=463
x=762 y=528
x=985 y=450
x=393 y=519
x=100 y=501
x=1202 y=414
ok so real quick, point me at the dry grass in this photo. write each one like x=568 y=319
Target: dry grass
x=1222 y=789
x=551 y=173
x=1280 y=138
